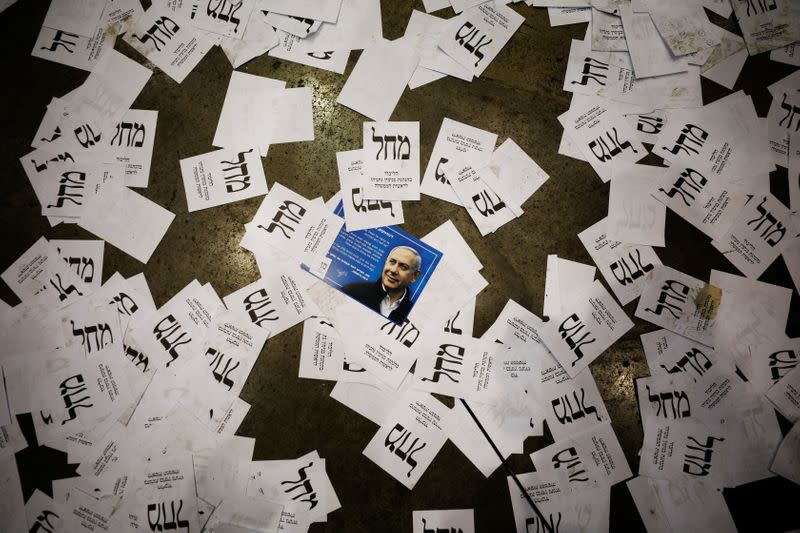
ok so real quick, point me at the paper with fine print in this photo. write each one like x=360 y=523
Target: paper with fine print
x=169 y=41
x=452 y=519
x=222 y=176
x=589 y=323
x=603 y=136
x=476 y=36
x=455 y=141
x=623 y=265
x=680 y=303
x=415 y=422
x=290 y=47
x=391 y=174
x=361 y=212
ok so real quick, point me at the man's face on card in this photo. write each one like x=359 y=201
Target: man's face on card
x=400 y=270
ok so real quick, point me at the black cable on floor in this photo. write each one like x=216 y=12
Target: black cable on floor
x=508 y=469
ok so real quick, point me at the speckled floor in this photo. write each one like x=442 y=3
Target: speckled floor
x=518 y=96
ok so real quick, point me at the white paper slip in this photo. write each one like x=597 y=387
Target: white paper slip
x=80 y=17
x=224 y=18
x=678 y=505
x=385 y=349
x=13 y=503
x=70 y=193
x=322 y=350
x=634 y=216
x=325 y=10
x=409 y=438
x=624 y=266
x=787 y=459
x=72 y=49
x=222 y=177
x=680 y=303
x=561 y=16
x=130 y=143
x=603 y=136
x=702 y=199
x=447 y=238
x=435 y=5
x=607 y=32
x=488 y=209
x=785 y=395
x=757 y=235
x=248 y=99
x=684 y=26
x=39 y=270
x=358 y=27
x=649 y=125
x=289 y=117
x=288 y=224
x=452 y=357
x=379 y=78
x=517 y=171
x=570 y=406
x=169 y=41
x=475 y=37
x=127 y=220
x=425 y=31
x=788 y=54
x=456 y=141
x=274 y=303
x=589 y=324
x=360 y=212
x=650 y=55
x=591 y=459
x=451 y=520
x=290 y=48
x=257 y=39
x=561 y=509
x=684 y=449
x=670 y=353
x=770 y=362
x=391 y=160
x=562 y=277
x=85 y=258
x=767 y=26
x=301 y=27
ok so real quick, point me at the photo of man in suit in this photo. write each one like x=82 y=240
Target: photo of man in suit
x=389 y=294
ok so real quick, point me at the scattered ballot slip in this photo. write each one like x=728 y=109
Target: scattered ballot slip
x=324 y=10
x=274 y=303
x=222 y=177
x=409 y=438
x=475 y=37
x=624 y=266
x=361 y=212
x=127 y=221
x=130 y=143
x=589 y=323
x=291 y=48
x=603 y=136
x=706 y=201
x=488 y=209
x=767 y=27
x=456 y=141
x=379 y=79
x=592 y=459
x=757 y=235
x=453 y=519
x=169 y=41
x=391 y=173
x=680 y=303
x=72 y=49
